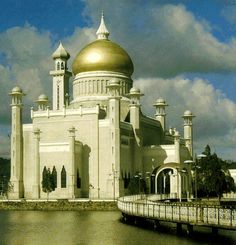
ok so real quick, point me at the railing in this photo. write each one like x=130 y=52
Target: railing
x=188 y=213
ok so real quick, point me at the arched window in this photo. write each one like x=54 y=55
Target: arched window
x=54 y=176
x=78 y=180
x=62 y=66
x=63 y=177
x=58 y=65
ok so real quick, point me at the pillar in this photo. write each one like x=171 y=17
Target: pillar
x=72 y=180
x=160 y=115
x=36 y=183
x=114 y=116
x=16 y=178
x=188 y=131
x=177 y=146
x=135 y=108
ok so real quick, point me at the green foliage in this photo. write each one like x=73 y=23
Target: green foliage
x=5 y=168
x=48 y=183
x=4 y=176
x=213 y=176
x=136 y=185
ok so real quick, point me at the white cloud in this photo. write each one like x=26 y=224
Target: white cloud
x=167 y=37
x=25 y=55
x=215 y=121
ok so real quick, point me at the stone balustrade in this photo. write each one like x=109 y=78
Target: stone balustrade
x=185 y=213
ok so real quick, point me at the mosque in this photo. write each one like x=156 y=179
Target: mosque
x=95 y=140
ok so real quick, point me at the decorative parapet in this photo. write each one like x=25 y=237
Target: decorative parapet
x=65 y=112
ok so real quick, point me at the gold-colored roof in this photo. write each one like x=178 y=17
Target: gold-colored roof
x=103 y=55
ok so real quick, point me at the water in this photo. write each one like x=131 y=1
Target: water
x=105 y=228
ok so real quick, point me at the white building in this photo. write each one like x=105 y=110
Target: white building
x=96 y=139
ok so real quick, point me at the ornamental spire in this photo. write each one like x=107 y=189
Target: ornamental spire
x=102 y=32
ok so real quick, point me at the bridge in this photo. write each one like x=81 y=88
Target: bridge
x=188 y=213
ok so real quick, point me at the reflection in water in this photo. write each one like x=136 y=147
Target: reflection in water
x=105 y=228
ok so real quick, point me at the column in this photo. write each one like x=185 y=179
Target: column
x=36 y=184
x=72 y=180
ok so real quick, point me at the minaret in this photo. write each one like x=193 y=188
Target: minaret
x=188 y=130
x=102 y=32
x=61 y=77
x=42 y=102
x=160 y=115
x=177 y=146
x=114 y=116
x=134 y=106
x=16 y=144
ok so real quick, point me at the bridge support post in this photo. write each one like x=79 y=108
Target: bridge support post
x=156 y=224
x=214 y=230
x=189 y=229
x=179 y=228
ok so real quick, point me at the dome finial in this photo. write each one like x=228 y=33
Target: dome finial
x=102 y=32
x=61 y=52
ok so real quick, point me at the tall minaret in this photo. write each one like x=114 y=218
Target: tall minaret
x=177 y=146
x=188 y=130
x=16 y=144
x=61 y=77
x=160 y=115
x=114 y=116
x=134 y=106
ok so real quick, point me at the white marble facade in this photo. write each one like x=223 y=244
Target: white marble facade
x=97 y=138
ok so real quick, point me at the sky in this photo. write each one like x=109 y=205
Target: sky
x=183 y=51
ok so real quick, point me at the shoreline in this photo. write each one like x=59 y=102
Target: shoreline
x=58 y=205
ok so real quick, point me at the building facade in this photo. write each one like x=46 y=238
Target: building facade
x=96 y=139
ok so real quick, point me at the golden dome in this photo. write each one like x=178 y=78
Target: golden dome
x=103 y=55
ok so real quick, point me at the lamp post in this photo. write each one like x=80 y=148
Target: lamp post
x=200 y=156
x=196 y=167
x=139 y=176
x=195 y=175
x=190 y=162
x=148 y=175
x=148 y=180
x=179 y=186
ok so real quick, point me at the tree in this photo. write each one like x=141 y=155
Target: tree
x=48 y=183
x=213 y=176
x=137 y=185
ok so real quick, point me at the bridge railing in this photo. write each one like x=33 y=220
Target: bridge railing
x=179 y=212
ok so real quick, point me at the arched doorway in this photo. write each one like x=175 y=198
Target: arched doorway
x=163 y=181
x=171 y=179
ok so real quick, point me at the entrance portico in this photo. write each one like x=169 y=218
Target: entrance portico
x=172 y=179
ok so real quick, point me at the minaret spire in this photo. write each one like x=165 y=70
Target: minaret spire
x=102 y=32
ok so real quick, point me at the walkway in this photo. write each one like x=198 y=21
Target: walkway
x=180 y=213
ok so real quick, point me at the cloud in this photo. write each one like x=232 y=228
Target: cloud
x=5 y=146
x=25 y=54
x=25 y=61
x=167 y=37
x=215 y=121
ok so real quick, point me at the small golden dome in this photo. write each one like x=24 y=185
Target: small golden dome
x=103 y=55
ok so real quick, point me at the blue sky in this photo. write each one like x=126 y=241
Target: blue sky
x=189 y=49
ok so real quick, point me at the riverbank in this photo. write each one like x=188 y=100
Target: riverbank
x=59 y=205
